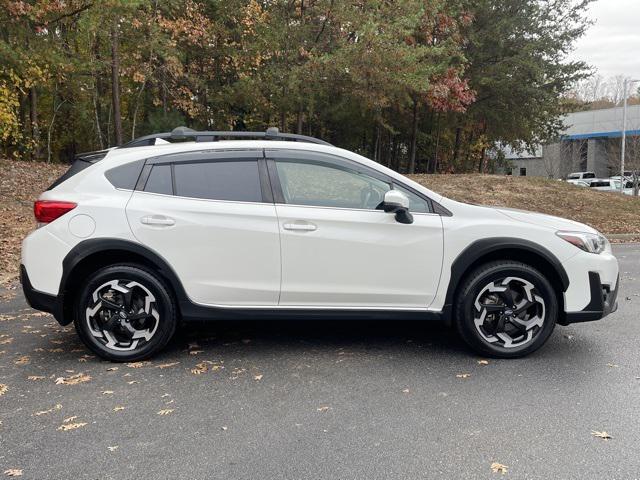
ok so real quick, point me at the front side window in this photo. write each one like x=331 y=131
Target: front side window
x=327 y=185
x=233 y=180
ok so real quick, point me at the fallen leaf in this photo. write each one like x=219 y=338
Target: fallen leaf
x=3 y=389
x=602 y=435
x=118 y=409
x=463 y=375
x=168 y=365
x=70 y=419
x=137 y=364
x=6 y=341
x=71 y=426
x=73 y=379
x=323 y=408
x=195 y=352
x=107 y=392
x=113 y=449
x=132 y=382
x=200 y=368
x=612 y=365
x=406 y=390
x=112 y=369
x=13 y=472
x=44 y=412
x=35 y=377
x=483 y=362
x=23 y=360
x=499 y=468
x=166 y=411
x=224 y=428
x=257 y=377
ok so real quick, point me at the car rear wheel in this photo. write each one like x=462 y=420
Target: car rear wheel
x=506 y=309
x=125 y=313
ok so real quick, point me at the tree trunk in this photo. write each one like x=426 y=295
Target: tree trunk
x=33 y=117
x=456 y=148
x=99 y=92
x=414 y=138
x=115 y=84
x=300 y=118
x=435 y=155
x=481 y=162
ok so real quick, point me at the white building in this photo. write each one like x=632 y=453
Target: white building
x=590 y=142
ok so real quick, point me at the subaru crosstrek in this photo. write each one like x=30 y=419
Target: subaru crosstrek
x=193 y=225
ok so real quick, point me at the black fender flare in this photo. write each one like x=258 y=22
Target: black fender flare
x=93 y=246
x=481 y=248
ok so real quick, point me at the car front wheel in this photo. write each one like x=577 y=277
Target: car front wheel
x=125 y=313
x=506 y=309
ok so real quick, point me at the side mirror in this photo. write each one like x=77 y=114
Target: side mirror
x=397 y=202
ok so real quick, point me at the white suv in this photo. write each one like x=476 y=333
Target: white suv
x=267 y=225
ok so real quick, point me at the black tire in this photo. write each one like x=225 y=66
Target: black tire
x=481 y=288
x=108 y=325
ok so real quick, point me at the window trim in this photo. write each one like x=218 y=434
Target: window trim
x=209 y=156
x=341 y=163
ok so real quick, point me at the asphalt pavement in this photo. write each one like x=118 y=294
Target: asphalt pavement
x=323 y=400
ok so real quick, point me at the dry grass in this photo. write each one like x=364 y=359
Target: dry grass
x=20 y=185
x=22 y=182
x=608 y=212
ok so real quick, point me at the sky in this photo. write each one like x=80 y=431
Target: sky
x=612 y=44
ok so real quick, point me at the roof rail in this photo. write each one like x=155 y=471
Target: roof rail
x=182 y=133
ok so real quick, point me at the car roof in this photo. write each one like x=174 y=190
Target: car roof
x=120 y=156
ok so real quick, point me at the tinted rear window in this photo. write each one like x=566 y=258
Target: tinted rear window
x=125 y=176
x=75 y=167
x=236 y=180
x=589 y=175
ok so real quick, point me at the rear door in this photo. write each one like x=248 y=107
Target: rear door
x=210 y=215
x=339 y=250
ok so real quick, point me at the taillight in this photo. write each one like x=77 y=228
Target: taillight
x=47 y=211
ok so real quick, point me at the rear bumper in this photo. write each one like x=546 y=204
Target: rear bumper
x=39 y=300
x=603 y=301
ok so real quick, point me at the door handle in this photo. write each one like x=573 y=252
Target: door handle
x=158 y=220
x=302 y=227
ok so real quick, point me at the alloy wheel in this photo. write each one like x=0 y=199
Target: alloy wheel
x=509 y=312
x=122 y=315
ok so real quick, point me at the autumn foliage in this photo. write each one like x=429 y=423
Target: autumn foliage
x=419 y=85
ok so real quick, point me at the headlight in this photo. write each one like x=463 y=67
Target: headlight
x=589 y=242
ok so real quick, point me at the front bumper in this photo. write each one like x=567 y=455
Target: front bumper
x=603 y=302
x=39 y=300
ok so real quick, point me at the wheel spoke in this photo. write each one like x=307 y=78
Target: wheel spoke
x=492 y=307
x=109 y=303
x=525 y=306
x=507 y=297
x=521 y=328
x=127 y=296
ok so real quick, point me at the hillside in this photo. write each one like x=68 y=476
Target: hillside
x=22 y=182
x=608 y=212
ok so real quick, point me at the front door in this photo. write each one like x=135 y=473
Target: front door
x=338 y=249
